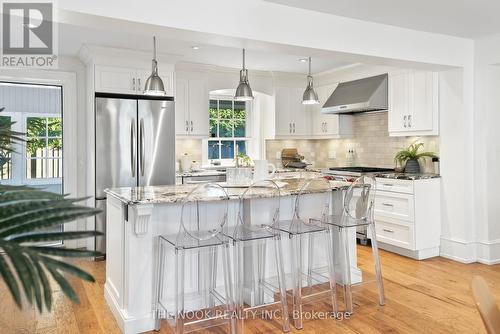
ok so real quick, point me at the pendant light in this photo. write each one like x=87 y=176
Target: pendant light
x=154 y=84
x=243 y=92
x=310 y=96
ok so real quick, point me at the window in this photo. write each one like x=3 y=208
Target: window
x=43 y=147
x=5 y=156
x=228 y=129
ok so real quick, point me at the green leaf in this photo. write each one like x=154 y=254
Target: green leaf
x=47 y=291
x=21 y=269
x=53 y=236
x=10 y=280
x=66 y=252
x=35 y=282
x=63 y=283
x=60 y=265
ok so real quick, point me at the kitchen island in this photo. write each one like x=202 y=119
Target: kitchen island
x=137 y=216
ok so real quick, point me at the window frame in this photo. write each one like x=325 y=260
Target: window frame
x=248 y=131
x=43 y=180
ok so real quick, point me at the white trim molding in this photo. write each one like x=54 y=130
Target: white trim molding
x=485 y=251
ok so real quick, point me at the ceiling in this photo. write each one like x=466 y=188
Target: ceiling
x=463 y=18
x=72 y=37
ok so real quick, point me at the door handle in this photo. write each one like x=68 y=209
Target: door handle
x=132 y=147
x=293 y=127
x=404 y=120
x=138 y=84
x=141 y=147
x=187 y=126
x=290 y=127
x=133 y=84
x=409 y=121
x=192 y=127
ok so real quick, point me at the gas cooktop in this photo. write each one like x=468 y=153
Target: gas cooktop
x=362 y=169
x=358 y=170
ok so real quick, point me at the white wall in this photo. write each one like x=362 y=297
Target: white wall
x=487 y=148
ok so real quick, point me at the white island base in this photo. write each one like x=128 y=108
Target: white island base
x=132 y=236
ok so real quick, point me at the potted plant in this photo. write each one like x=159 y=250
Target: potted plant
x=410 y=155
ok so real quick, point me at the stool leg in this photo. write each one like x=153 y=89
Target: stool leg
x=282 y=282
x=159 y=284
x=213 y=275
x=378 y=268
x=310 y=258
x=239 y=264
x=261 y=260
x=297 y=280
x=331 y=270
x=179 y=291
x=347 y=270
x=228 y=285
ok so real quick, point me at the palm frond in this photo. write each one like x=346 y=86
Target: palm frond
x=24 y=211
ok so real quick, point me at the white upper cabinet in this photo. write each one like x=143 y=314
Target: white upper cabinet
x=413 y=103
x=191 y=107
x=126 y=80
x=328 y=125
x=292 y=119
x=115 y=79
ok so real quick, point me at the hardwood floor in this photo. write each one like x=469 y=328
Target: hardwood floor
x=431 y=296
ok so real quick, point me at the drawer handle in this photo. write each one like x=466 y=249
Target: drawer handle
x=387 y=204
x=388 y=184
x=386 y=230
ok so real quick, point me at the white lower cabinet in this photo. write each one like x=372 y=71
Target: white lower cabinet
x=408 y=216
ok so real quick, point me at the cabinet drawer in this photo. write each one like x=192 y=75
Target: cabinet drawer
x=397 y=206
x=397 y=235
x=400 y=186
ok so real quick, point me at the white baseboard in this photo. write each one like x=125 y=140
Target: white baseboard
x=127 y=324
x=486 y=252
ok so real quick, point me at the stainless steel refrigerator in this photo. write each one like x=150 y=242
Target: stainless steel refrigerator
x=134 y=146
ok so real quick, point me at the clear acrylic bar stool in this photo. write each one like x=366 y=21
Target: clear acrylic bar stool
x=202 y=229
x=309 y=221
x=357 y=212
x=254 y=229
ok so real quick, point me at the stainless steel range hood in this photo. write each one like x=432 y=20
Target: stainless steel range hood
x=369 y=94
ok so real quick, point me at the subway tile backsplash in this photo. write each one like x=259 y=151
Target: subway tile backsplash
x=370 y=142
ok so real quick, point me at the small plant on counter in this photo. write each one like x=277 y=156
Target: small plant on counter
x=243 y=160
x=410 y=156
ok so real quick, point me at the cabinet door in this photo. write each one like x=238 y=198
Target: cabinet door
x=399 y=95
x=198 y=101
x=115 y=79
x=181 y=107
x=301 y=116
x=422 y=101
x=283 y=113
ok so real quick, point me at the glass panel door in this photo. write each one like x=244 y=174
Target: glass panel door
x=36 y=111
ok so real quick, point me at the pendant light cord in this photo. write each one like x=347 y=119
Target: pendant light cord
x=154 y=47
x=243 y=59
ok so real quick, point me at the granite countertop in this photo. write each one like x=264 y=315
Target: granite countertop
x=408 y=176
x=176 y=193
x=207 y=172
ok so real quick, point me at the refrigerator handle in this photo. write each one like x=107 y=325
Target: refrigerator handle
x=132 y=147
x=141 y=147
